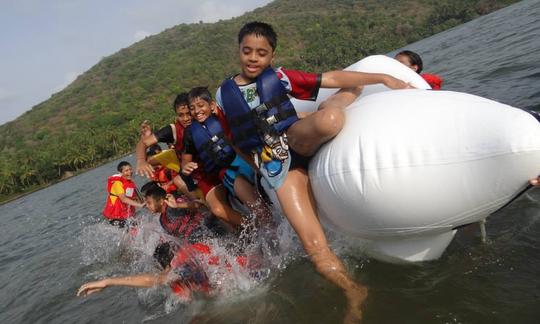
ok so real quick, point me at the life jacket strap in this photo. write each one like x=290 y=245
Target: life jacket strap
x=213 y=144
x=216 y=147
x=261 y=112
x=260 y=116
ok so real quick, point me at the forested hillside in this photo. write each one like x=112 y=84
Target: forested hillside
x=97 y=116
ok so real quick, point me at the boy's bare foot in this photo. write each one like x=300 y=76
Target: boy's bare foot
x=355 y=298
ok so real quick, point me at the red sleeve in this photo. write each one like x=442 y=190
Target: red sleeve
x=301 y=85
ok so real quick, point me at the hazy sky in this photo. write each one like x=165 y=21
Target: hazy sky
x=45 y=44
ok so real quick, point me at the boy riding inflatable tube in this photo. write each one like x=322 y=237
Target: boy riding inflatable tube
x=410 y=166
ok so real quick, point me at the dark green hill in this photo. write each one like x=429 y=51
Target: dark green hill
x=96 y=117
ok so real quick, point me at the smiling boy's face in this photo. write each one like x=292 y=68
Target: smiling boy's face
x=127 y=171
x=255 y=55
x=201 y=109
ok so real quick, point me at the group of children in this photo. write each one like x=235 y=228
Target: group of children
x=225 y=145
x=251 y=131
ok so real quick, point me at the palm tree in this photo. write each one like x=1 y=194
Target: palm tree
x=7 y=185
x=26 y=174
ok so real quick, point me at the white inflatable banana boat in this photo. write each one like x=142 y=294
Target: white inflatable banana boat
x=410 y=166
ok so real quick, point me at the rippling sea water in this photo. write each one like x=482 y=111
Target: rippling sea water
x=52 y=241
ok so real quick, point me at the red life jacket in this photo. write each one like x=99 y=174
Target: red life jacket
x=183 y=225
x=164 y=176
x=114 y=207
x=433 y=80
x=179 y=144
x=194 y=278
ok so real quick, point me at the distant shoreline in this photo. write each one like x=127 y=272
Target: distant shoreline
x=10 y=198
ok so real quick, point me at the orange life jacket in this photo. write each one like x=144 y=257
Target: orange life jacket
x=114 y=207
x=163 y=176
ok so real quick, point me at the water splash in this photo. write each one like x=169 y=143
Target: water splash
x=245 y=262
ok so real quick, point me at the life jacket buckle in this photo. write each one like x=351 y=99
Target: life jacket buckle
x=261 y=109
x=272 y=120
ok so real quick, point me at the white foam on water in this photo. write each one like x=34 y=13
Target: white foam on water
x=110 y=251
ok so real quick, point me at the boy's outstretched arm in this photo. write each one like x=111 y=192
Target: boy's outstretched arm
x=535 y=182
x=145 y=280
x=129 y=201
x=351 y=79
x=143 y=167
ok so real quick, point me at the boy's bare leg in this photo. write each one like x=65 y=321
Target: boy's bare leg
x=308 y=134
x=248 y=195
x=297 y=202
x=342 y=98
x=219 y=206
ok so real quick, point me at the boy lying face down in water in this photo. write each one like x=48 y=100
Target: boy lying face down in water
x=181 y=264
x=183 y=271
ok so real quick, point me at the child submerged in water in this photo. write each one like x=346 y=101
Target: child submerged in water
x=182 y=267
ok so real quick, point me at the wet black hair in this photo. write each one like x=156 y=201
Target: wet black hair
x=414 y=59
x=164 y=254
x=153 y=150
x=260 y=29
x=122 y=165
x=155 y=192
x=180 y=100
x=149 y=185
x=200 y=92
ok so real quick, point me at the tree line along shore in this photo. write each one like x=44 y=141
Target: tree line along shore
x=96 y=118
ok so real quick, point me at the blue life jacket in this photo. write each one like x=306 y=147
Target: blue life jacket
x=213 y=148
x=273 y=116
